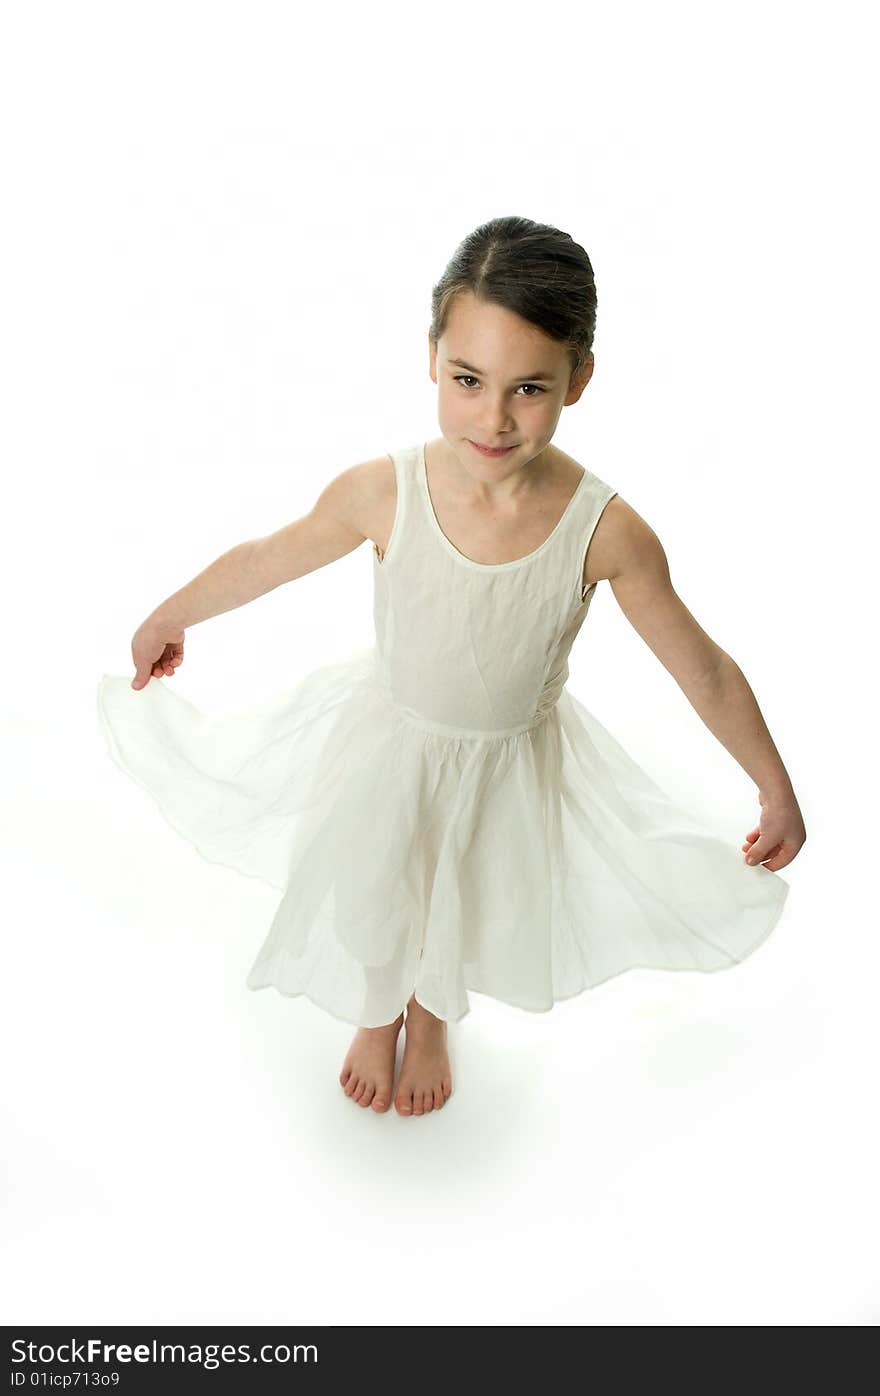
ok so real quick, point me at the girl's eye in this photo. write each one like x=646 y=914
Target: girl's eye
x=463 y=376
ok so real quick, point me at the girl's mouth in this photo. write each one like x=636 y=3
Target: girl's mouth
x=490 y=450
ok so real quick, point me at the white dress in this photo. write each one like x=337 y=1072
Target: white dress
x=439 y=812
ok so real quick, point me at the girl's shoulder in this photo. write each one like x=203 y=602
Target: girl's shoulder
x=619 y=537
x=373 y=498
x=620 y=540
x=362 y=496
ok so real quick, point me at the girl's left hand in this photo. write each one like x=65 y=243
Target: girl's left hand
x=780 y=834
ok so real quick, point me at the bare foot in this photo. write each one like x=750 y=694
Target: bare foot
x=425 y=1076
x=368 y=1069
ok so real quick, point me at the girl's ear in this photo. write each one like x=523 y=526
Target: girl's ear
x=580 y=381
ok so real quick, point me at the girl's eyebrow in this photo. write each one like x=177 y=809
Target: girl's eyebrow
x=530 y=377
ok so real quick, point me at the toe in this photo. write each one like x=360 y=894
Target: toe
x=404 y=1103
x=379 y=1103
x=367 y=1095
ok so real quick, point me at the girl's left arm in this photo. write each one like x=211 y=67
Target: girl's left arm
x=626 y=550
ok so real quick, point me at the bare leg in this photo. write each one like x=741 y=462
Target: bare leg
x=368 y=1070
x=425 y=1075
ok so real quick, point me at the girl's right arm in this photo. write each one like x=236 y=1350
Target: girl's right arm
x=341 y=519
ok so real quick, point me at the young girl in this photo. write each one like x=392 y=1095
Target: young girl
x=440 y=813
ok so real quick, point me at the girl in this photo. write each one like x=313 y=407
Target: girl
x=439 y=812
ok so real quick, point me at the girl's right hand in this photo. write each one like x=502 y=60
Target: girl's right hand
x=156 y=650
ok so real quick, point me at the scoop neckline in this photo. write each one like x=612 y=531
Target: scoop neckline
x=490 y=566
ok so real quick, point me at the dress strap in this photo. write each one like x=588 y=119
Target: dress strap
x=595 y=494
x=403 y=474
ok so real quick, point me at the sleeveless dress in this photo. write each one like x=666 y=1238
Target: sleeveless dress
x=439 y=812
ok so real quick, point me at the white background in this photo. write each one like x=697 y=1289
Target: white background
x=222 y=224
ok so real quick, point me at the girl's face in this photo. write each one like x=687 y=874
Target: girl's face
x=501 y=382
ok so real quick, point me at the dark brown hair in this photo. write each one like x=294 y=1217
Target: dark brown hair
x=531 y=268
